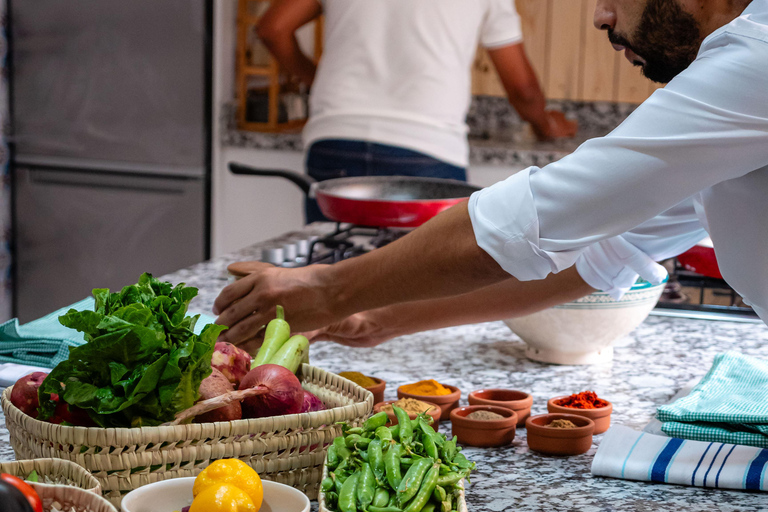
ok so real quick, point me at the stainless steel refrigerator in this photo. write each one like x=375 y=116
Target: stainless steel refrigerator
x=110 y=113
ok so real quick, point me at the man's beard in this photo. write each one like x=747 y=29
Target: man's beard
x=667 y=38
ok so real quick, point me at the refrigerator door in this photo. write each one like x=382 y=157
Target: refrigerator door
x=82 y=230
x=99 y=81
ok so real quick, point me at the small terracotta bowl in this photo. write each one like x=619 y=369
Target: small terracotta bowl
x=377 y=390
x=517 y=401
x=483 y=433
x=601 y=416
x=447 y=403
x=434 y=412
x=559 y=441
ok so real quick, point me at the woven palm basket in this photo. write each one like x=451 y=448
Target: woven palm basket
x=64 y=498
x=287 y=449
x=53 y=471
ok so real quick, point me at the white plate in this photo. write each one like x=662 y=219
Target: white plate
x=175 y=494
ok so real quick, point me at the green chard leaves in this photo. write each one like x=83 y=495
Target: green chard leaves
x=142 y=363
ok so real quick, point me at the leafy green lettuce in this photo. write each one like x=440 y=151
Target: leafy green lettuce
x=142 y=363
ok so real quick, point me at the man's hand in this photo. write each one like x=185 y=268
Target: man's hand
x=247 y=305
x=358 y=330
x=557 y=126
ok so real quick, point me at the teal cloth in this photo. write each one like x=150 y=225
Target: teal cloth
x=729 y=405
x=45 y=342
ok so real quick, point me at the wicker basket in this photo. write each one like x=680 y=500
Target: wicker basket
x=66 y=497
x=53 y=471
x=286 y=449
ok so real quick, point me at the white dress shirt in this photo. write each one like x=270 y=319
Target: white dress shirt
x=691 y=160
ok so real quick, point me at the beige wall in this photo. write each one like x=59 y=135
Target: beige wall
x=572 y=59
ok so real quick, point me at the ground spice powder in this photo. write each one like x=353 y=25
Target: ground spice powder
x=584 y=400
x=562 y=424
x=484 y=416
x=409 y=405
x=426 y=388
x=359 y=379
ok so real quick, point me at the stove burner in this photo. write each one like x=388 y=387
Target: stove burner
x=350 y=241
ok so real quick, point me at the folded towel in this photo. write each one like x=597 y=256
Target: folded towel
x=631 y=455
x=729 y=404
x=45 y=342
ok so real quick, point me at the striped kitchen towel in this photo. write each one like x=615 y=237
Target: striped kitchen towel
x=728 y=405
x=630 y=455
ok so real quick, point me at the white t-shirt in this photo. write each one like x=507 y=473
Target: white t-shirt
x=398 y=72
x=691 y=160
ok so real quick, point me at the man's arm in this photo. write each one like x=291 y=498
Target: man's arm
x=525 y=94
x=277 y=29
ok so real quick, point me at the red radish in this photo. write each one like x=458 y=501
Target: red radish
x=216 y=384
x=71 y=415
x=24 y=394
x=233 y=362
x=311 y=403
x=281 y=392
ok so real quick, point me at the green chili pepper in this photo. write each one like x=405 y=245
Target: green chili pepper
x=347 y=499
x=425 y=491
x=277 y=333
x=406 y=429
x=357 y=441
x=376 y=459
x=384 y=509
x=392 y=465
x=366 y=486
x=381 y=498
x=449 y=479
x=412 y=480
x=377 y=420
x=331 y=458
x=327 y=484
x=384 y=434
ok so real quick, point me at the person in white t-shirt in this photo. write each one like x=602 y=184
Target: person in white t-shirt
x=391 y=92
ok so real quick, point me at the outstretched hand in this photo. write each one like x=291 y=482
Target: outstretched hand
x=358 y=330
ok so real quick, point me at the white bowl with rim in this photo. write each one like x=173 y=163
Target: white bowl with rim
x=583 y=331
x=175 y=494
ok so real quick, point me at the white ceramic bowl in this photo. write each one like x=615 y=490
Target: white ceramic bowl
x=583 y=331
x=175 y=494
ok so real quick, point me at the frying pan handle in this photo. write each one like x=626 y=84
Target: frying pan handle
x=303 y=181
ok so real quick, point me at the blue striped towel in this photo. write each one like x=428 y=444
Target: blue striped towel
x=631 y=455
x=45 y=342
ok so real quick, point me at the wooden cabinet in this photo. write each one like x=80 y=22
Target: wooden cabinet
x=572 y=59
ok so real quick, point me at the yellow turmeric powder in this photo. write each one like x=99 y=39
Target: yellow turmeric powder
x=359 y=379
x=426 y=388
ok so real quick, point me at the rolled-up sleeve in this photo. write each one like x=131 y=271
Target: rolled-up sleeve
x=707 y=126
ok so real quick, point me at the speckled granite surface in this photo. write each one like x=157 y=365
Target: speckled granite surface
x=497 y=136
x=657 y=359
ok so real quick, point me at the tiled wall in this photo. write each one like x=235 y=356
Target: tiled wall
x=5 y=185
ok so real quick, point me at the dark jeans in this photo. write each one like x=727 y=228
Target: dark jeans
x=332 y=158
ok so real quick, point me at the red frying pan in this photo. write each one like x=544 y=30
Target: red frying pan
x=377 y=201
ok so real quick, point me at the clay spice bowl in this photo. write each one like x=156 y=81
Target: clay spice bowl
x=518 y=401
x=377 y=389
x=483 y=433
x=600 y=416
x=559 y=441
x=446 y=402
x=435 y=412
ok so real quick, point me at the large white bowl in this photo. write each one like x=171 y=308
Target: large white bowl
x=175 y=494
x=583 y=331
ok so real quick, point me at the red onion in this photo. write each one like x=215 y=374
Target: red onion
x=282 y=392
x=311 y=403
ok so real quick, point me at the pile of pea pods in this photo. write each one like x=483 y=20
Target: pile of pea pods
x=407 y=467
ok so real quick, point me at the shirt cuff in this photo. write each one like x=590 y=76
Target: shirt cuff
x=613 y=266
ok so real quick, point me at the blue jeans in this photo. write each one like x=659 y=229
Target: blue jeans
x=336 y=158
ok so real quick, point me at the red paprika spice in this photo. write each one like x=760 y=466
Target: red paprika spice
x=584 y=400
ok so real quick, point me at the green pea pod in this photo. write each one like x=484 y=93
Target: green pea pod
x=395 y=429
x=354 y=430
x=444 y=470
x=327 y=484
x=376 y=460
x=449 y=450
x=347 y=497
x=439 y=493
x=404 y=422
x=425 y=427
x=381 y=498
x=430 y=448
x=366 y=486
x=384 y=434
x=277 y=333
x=447 y=505
x=342 y=451
x=338 y=483
x=291 y=353
x=449 y=479
x=331 y=458
x=376 y=421
x=425 y=490
x=357 y=441
x=363 y=455
x=411 y=482
x=33 y=477
x=429 y=507
x=392 y=465
x=384 y=509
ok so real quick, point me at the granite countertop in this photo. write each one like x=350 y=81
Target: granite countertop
x=497 y=136
x=649 y=367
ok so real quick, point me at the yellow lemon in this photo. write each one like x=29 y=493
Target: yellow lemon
x=223 y=498
x=233 y=472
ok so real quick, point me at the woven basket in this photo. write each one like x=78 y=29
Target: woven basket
x=53 y=471
x=286 y=449
x=66 y=497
